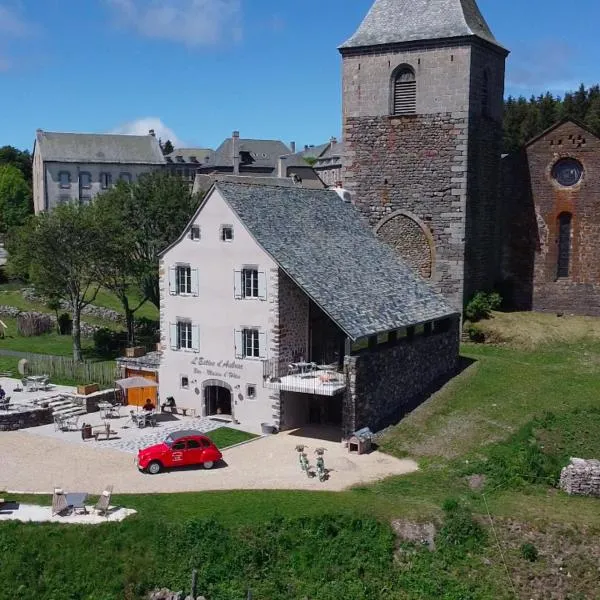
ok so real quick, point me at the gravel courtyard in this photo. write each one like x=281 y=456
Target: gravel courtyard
x=36 y=463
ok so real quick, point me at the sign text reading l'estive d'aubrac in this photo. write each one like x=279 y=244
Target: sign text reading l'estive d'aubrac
x=226 y=368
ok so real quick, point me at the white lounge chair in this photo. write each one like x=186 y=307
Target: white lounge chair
x=103 y=504
x=59 y=502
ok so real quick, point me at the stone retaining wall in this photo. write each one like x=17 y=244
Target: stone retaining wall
x=12 y=420
x=581 y=478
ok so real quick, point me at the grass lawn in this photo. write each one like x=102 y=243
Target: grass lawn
x=224 y=437
x=109 y=300
x=492 y=421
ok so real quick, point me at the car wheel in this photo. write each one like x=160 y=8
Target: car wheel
x=154 y=468
x=209 y=464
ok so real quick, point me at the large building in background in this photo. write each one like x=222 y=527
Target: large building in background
x=423 y=85
x=75 y=167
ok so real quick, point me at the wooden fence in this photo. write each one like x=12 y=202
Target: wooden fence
x=64 y=368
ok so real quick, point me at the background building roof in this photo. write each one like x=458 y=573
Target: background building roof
x=397 y=21
x=190 y=155
x=263 y=153
x=321 y=242
x=99 y=148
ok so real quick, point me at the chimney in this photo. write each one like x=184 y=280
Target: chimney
x=152 y=133
x=235 y=152
x=306 y=147
x=293 y=147
x=282 y=167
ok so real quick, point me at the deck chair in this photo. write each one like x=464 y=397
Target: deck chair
x=59 y=502
x=103 y=504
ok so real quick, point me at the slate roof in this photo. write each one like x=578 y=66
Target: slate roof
x=397 y=21
x=202 y=155
x=332 y=157
x=99 y=148
x=265 y=153
x=322 y=243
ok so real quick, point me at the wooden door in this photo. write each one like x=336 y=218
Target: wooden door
x=138 y=396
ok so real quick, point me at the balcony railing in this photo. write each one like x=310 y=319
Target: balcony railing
x=304 y=378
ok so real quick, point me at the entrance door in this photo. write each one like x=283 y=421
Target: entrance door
x=217 y=400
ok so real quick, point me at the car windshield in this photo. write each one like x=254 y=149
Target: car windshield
x=169 y=441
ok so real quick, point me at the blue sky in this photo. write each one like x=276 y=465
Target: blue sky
x=197 y=69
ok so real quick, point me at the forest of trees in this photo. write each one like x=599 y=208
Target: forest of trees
x=524 y=119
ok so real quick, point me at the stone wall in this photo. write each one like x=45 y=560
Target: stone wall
x=390 y=380
x=534 y=201
x=22 y=419
x=418 y=165
x=581 y=478
x=293 y=321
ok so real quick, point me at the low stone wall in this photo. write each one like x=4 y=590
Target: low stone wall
x=385 y=383
x=168 y=595
x=581 y=478
x=12 y=420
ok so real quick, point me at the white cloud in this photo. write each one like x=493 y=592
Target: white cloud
x=12 y=24
x=193 y=22
x=144 y=125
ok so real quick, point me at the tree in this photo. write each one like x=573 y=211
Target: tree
x=63 y=253
x=9 y=155
x=592 y=119
x=15 y=198
x=167 y=148
x=148 y=215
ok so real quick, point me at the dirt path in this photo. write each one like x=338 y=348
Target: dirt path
x=36 y=464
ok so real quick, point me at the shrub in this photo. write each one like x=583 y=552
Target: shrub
x=481 y=306
x=459 y=528
x=147 y=331
x=30 y=324
x=529 y=552
x=108 y=342
x=475 y=334
x=65 y=324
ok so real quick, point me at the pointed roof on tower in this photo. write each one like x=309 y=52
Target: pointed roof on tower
x=400 y=21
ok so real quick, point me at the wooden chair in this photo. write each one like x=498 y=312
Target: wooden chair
x=103 y=504
x=59 y=502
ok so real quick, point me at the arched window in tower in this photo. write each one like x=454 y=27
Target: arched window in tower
x=485 y=95
x=565 y=222
x=405 y=92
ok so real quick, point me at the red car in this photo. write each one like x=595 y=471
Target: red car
x=180 y=449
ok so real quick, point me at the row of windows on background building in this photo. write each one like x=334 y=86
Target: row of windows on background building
x=248 y=342
x=85 y=179
x=249 y=283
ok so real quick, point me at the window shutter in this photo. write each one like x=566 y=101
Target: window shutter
x=405 y=93
x=237 y=285
x=173 y=281
x=262 y=285
x=262 y=345
x=238 y=338
x=173 y=340
x=195 y=338
x=195 y=283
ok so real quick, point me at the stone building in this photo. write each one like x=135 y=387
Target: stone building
x=185 y=162
x=328 y=165
x=75 y=167
x=267 y=316
x=423 y=85
x=551 y=192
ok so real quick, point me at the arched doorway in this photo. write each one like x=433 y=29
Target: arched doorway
x=217 y=400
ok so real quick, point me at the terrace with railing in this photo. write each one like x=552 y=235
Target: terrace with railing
x=304 y=377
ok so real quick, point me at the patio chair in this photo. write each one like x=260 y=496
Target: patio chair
x=114 y=412
x=25 y=384
x=5 y=403
x=103 y=504
x=59 y=423
x=59 y=502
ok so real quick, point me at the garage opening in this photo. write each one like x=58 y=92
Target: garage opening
x=217 y=400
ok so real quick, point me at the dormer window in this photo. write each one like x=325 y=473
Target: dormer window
x=179 y=159
x=404 y=92
x=193 y=159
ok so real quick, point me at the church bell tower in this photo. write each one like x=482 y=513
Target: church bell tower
x=423 y=86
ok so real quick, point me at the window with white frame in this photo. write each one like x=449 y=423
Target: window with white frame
x=195 y=232
x=250 y=283
x=183 y=281
x=226 y=233
x=64 y=179
x=185 y=335
x=250 y=342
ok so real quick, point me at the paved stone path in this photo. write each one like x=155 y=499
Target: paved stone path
x=155 y=435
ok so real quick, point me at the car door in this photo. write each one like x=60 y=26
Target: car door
x=193 y=452
x=177 y=454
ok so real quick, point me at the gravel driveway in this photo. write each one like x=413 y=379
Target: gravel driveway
x=36 y=464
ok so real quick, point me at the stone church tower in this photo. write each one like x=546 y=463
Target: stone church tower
x=423 y=86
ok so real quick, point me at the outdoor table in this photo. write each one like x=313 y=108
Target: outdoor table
x=104 y=408
x=35 y=380
x=303 y=367
x=77 y=500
